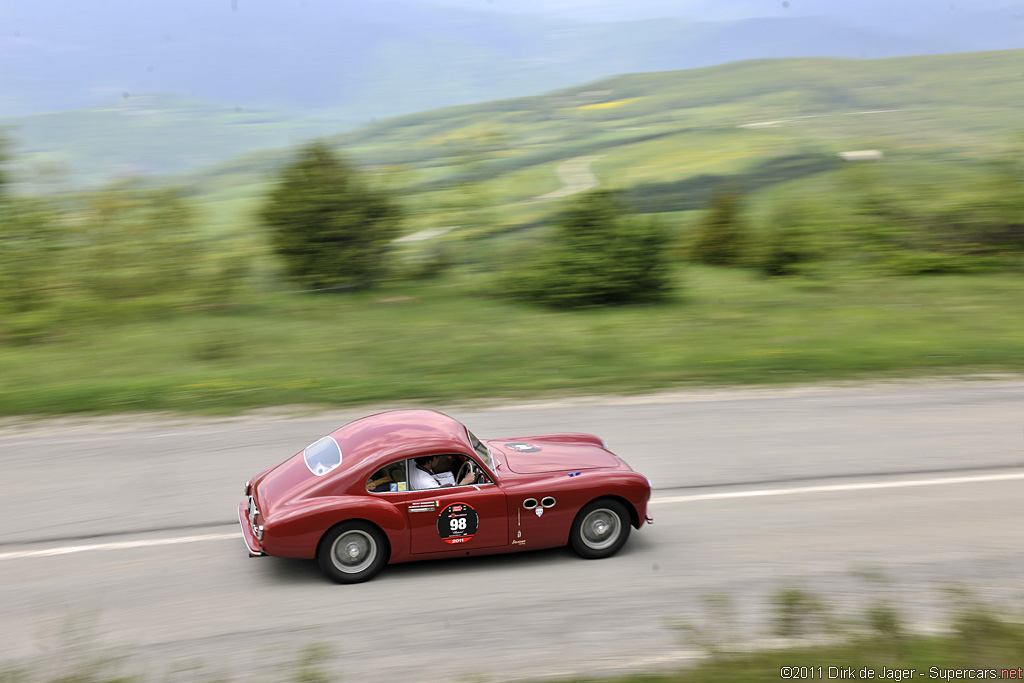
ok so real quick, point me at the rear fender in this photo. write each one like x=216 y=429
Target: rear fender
x=296 y=530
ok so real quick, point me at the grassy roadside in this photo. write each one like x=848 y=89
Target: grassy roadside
x=409 y=343
x=912 y=658
x=876 y=644
x=976 y=643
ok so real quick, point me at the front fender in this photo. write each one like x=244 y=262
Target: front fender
x=296 y=529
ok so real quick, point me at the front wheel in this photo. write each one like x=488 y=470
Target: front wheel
x=600 y=529
x=352 y=552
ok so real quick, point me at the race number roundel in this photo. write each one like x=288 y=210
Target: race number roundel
x=457 y=523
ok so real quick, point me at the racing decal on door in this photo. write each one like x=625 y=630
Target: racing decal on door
x=457 y=523
x=424 y=506
x=522 y=447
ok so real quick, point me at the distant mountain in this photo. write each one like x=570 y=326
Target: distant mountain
x=268 y=66
x=144 y=134
x=370 y=59
x=968 y=21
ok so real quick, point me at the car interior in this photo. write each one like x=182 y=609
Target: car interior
x=394 y=477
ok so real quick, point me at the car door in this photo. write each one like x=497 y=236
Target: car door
x=457 y=518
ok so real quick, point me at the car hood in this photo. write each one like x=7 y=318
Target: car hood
x=537 y=454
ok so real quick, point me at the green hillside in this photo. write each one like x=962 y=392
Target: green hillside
x=670 y=137
x=143 y=134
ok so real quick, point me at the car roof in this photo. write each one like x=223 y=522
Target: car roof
x=401 y=434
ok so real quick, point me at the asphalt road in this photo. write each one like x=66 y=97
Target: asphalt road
x=126 y=527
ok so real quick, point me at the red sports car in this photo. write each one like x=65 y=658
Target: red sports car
x=417 y=484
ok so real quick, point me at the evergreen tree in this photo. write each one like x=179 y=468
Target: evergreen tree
x=721 y=239
x=331 y=230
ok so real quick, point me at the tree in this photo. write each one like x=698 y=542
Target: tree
x=4 y=143
x=721 y=239
x=598 y=257
x=330 y=228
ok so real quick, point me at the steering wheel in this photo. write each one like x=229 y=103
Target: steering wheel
x=466 y=468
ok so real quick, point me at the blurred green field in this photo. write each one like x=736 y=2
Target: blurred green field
x=405 y=344
x=669 y=141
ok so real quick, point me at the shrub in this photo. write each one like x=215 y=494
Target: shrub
x=793 y=241
x=721 y=239
x=118 y=252
x=330 y=228
x=29 y=283
x=597 y=257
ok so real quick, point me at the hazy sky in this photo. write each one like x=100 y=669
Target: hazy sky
x=866 y=12
x=59 y=54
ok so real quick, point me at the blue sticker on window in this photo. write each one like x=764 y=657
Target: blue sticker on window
x=322 y=456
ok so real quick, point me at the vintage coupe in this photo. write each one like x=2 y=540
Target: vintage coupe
x=357 y=498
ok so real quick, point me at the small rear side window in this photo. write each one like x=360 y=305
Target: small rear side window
x=388 y=478
x=323 y=456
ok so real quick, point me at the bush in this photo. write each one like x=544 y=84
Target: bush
x=886 y=221
x=793 y=241
x=29 y=283
x=332 y=231
x=598 y=257
x=119 y=252
x=141 y=249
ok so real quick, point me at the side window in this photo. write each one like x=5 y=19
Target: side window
x=389 y=478
x=440 y=471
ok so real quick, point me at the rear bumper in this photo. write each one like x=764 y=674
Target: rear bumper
x=252 y=544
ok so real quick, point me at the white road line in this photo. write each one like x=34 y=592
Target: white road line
x=835 y=488
x=122 y=545
x=758 y=493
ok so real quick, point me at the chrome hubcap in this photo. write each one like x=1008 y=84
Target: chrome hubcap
x=353 y=551
x=600 y=529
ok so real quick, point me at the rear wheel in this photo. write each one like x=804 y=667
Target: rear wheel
x=600 y=529
x=352 y=552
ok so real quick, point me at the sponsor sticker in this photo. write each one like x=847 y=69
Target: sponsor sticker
x=457 y=523
x=522 y=447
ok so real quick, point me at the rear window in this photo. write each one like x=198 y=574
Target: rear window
x=322 y=456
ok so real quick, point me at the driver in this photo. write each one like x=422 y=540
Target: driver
x=426 y=475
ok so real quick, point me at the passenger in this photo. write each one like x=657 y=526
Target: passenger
x=425 y=475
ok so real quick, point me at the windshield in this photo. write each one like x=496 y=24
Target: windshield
x=483 y=451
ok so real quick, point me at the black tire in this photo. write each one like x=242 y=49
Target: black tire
x=600 y=529
x=353 y=552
